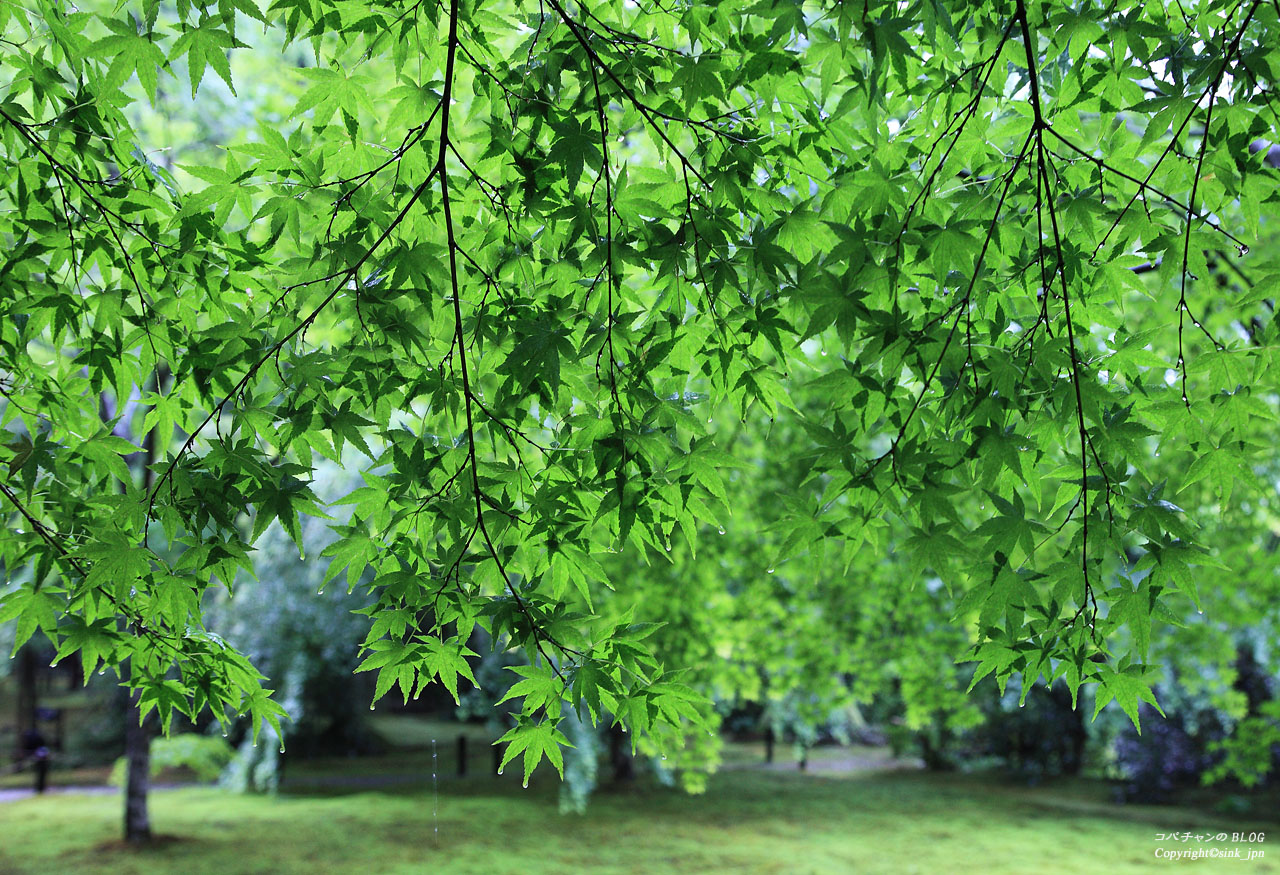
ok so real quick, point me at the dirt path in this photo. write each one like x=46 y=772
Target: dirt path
x=824 y=763
x=15 y=794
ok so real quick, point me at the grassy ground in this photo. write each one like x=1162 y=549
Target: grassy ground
x=750 y=821
x=853 y=813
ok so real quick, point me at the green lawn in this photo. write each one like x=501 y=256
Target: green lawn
x=750 y=821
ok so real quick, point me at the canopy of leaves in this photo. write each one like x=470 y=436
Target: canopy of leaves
x=538 y=262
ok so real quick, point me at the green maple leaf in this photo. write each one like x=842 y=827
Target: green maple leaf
x=1127 y=686
x=96 y=642
x=534 y=740
x=164 y=695
x=540 y=688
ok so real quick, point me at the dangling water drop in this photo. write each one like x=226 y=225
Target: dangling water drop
x=722 y=530
x=769 y=570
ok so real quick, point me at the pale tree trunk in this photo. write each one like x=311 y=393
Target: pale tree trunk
x=137 y=735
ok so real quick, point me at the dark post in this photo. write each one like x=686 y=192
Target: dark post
x=34 y=748
x=497 y=759
x=42 y=769
x=768 y=744
x=462 y=756
x=804 y=757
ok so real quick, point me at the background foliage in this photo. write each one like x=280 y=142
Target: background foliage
x=943 y=312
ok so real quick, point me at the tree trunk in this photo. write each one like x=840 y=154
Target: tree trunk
x=1073 y=726
x=933 y=750
x=137 y=752
x=26 y=688
x=137 y=734
x=619 y=756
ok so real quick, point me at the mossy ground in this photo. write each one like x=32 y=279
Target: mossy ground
x=750 y=821
x=852 y=813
